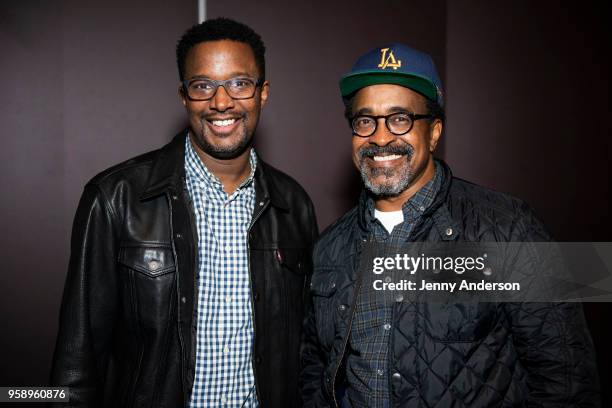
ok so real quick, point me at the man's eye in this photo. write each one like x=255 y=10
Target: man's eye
x=363 y=122
x=201 y=86
x=400 y=119
x=240 y=83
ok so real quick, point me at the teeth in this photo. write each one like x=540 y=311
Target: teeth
x=225 y=122
x=387 y=158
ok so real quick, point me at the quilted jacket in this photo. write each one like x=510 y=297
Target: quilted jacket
x=454 y=354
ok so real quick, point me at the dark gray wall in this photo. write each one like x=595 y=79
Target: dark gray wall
x=87 y=85
x=84 y=85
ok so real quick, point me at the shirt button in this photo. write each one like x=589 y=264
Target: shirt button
x=175 y=197
x=228 y=299
x=228 y=248
x=380 y=372
x=224 y=399
x=256 y=296
x=387 y=326
x=226 y=350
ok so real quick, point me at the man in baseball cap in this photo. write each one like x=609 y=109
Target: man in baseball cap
x=361 y=352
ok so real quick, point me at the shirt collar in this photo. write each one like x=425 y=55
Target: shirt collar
x=197 y=171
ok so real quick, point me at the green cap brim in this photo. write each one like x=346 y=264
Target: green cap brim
x=354 y=82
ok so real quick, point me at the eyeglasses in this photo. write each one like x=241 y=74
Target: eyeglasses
x=398 y=123
x=204 y=89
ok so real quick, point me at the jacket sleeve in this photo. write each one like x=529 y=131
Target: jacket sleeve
x=89 y=303
x=313 y=363
x=312 y=358
x=553 y=342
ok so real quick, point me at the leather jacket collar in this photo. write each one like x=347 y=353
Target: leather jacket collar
x=168 y=174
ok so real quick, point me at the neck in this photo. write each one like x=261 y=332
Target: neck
x=230 y=172
x=396 y=203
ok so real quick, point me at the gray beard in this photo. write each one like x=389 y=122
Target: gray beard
x=396 y=180
x=389 y=187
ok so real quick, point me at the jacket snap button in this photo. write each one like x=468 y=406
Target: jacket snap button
x=261 y=203
x=175 y=197
x=333 y=285
x=449 y=231
x=487 y=271
x=396 y=376
x=179 y=236
x=399 y=297
x=258 y=360
x=342 y=308
x=154 y=265
x=184 y=299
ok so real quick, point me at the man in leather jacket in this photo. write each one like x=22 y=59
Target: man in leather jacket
x=360 y=352
x=188 y=264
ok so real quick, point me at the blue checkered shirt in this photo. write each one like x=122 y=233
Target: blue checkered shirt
x=223 y=372
x=366 y=365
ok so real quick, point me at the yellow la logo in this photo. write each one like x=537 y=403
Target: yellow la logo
x=388 y=60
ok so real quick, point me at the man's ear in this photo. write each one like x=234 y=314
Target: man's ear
x=181 y=92
x=265 y=92
x=435 y=131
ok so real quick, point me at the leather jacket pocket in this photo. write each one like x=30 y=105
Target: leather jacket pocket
x=150 y=261
x=148 y=280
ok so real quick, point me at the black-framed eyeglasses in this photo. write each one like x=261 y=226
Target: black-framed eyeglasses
x=203 y=89
x=398 y=123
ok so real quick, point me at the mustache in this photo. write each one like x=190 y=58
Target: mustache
x=373 y=150
x=210 y=116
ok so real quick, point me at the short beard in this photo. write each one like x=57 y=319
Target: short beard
x=224 y=153
x=388 y=188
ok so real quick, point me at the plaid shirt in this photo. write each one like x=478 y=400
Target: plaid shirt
x=224 y=372
x=366 y=366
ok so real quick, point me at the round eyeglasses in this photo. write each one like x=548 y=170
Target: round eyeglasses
x=398 y=123
x=204 y=89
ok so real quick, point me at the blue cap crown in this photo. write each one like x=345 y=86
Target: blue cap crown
x=394 y=64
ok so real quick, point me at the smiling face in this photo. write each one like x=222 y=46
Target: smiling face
x=393 y=165
x=223 y=127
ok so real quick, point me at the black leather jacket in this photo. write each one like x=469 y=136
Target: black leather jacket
x=476 y=355
x=127 y=326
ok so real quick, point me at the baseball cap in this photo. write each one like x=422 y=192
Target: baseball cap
x=394 y=64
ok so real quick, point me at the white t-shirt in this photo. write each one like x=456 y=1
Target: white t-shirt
x=389 y=219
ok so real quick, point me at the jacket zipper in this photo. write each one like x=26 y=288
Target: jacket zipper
x=348 y=332
x=255 y=218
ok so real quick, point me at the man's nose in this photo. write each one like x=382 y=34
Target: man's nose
x=221 y=101
x=382 y=136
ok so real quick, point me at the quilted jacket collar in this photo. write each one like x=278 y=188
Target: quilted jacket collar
x=438 y=210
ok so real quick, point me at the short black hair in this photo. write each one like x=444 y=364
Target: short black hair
x=221 y=29
x=434 y=109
